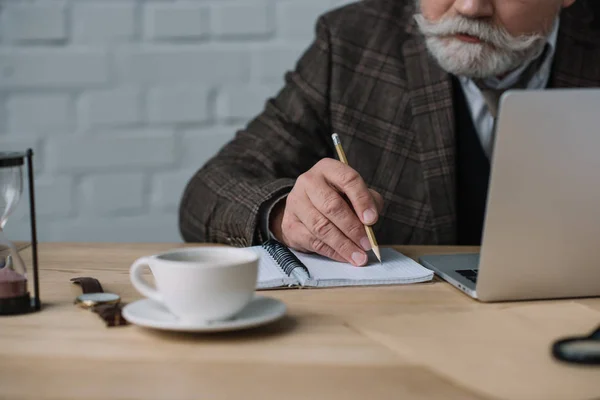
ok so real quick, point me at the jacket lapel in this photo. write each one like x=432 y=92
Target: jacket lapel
x=577 y=58
x=430 y=91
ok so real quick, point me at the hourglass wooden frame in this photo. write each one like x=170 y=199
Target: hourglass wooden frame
x=13 y=159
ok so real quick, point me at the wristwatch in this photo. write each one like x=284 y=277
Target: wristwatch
x=107 y=305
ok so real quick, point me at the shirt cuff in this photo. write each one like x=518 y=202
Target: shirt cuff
x=266 y=216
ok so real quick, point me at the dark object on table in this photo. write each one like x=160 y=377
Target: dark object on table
x=578 y=349
x=107 y=305
x=15 y=297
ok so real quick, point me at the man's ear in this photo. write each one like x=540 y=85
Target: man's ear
x=568 y=3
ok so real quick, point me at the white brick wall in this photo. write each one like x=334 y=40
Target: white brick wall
x=178 y=104
x=34 y=22
x=99 y=22
x=38 y=113
x=104 y=107
x=52 y=67
x=244 y=19
x=122 y=101
x=185 y=21
x=99 y=194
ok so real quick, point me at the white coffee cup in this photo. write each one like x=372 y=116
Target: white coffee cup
x=200 y=284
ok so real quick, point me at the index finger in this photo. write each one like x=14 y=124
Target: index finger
x=348 y=181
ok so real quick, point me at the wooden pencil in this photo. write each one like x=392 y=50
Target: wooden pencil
x=342 y=156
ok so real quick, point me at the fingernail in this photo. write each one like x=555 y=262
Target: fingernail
x=365 y=244
x=359 y=258
x=369 y=216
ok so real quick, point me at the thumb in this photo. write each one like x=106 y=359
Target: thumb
x=378 y=199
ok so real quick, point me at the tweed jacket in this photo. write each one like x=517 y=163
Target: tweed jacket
x=369 y=77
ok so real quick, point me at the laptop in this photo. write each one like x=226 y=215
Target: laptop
x=541 y=235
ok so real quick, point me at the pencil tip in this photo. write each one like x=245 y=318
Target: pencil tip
x=377 y=253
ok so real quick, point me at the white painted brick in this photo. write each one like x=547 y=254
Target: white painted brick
x=113 y=193
x=110 y=107
x=33 y=22
x=178 y=104
x=243 y=101
x=3 y=112
x=297 y=20
x=237 y=49
x=39 y=113
x=53 y=199
x=145 y=228
x=103 y=22
x=175 y=21
x=172 y=64
x=20 y=143
x=132 y=149
x=20 y=230
x=168 y=188
x=52 y=68
x=271 y=64
x=199 y=145
x=241 y=19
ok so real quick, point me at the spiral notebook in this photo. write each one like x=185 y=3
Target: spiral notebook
x=281 y=267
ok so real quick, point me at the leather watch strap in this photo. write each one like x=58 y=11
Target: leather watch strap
x=88 y=284
x=110 y=313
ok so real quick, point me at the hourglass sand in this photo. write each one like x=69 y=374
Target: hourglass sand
x=14 y=294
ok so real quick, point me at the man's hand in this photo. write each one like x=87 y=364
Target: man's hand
x=316 y=218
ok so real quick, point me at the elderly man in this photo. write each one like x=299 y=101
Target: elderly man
x=412 y=89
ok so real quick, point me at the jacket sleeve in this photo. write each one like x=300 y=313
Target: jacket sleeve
x=228 y=199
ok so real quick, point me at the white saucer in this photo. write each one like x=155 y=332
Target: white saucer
x=150 y=314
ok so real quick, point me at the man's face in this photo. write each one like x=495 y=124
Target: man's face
x=484 y=38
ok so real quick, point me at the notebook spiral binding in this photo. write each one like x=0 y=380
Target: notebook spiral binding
x=286 y=260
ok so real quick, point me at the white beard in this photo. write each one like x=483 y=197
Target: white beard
x=475 y=60
x=479 y=60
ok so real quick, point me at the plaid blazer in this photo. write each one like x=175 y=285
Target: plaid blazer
x=368 y=77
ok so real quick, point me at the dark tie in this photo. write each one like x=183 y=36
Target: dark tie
x=492 y=96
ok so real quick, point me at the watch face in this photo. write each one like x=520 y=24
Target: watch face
x=93 y=299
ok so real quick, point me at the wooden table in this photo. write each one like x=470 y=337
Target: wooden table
x=316 y=351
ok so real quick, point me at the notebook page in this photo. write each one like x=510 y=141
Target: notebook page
x=395 y=269
x=269 y=274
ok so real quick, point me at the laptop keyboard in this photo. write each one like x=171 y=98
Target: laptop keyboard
x=470 y=274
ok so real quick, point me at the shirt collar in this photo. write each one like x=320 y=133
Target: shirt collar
x=544 y=70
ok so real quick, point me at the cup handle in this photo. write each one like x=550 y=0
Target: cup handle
x=135 y=274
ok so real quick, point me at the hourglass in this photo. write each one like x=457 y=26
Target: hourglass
x=15 y=296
